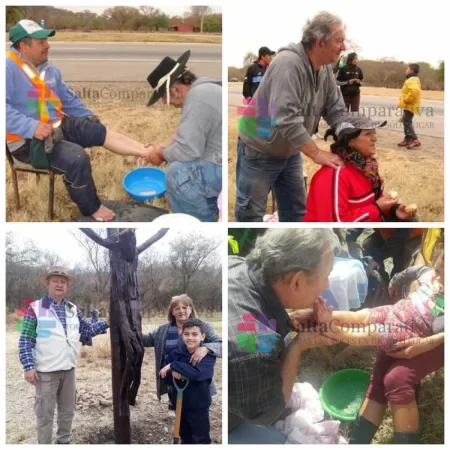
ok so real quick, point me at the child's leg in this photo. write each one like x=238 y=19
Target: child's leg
x=373 y=411
x=361 y=317
x=400 y=384
x=368 y=336
x=185 y=428
x=374 y=405
x=406 y=417
x=410 y=134
x=367 y=423
x=199 y=423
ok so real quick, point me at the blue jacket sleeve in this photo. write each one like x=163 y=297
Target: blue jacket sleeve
x=204 y=370
x=16 y=122
x=171 y=357
x=212 y=340
x=72 y=104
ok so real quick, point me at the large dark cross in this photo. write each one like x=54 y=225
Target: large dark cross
x=127 y=349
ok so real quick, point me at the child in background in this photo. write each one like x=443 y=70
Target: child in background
x=194 y=427
x=409 y=101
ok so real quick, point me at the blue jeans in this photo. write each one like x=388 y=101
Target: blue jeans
x=257 y=174
x=70 y=160
x=193 y=188
x=248 y=433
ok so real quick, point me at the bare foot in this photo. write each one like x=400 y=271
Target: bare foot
x=104 y=214
x=324 y=312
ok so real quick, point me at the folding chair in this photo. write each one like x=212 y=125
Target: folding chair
x=18 y=166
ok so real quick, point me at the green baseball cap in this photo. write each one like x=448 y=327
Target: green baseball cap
x=28 y=28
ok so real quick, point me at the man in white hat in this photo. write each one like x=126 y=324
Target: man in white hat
x=194 y=153
x=48 y=349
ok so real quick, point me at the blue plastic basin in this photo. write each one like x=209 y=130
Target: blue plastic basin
x=145 y=183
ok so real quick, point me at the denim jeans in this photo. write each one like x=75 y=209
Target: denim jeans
x=248 y=433
x=193 y=188
x=70 y=160
x=257 y=174
x=408 y=126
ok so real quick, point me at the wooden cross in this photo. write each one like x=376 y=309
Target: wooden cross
x=127 y=349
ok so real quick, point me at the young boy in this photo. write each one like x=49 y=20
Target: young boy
x=410 y=103
x=194 y=427
x=385 y=326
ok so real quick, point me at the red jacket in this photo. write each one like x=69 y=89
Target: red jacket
x=341 y=195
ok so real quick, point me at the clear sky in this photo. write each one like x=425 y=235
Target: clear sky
x=61 y=242
x=403 y=30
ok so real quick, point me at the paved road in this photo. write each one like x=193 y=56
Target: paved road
x=430 y=123
x=129 y=61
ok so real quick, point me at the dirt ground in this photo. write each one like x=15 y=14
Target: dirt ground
x=93 y=423
x=417 y=175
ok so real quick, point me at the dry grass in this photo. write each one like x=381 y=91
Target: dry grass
x=417 y=175
x=111 y=36
x=385 y=92
x=314 y=369
x=101 y=350
x=12 y=320
x=131 y=118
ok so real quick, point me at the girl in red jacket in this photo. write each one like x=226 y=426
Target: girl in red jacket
x=353 y=193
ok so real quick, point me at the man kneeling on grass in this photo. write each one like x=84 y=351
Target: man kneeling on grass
x=40 y=107
x=48 y=349
x=194 y=428
x=194 y=152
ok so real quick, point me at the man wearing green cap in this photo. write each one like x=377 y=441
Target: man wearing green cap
x=38 y=101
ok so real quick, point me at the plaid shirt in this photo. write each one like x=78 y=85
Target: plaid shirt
x=257 y=326
x=27 y=339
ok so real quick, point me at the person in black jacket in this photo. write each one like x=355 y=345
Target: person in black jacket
x=350 y=78
x=256 y=71
x=194 y=427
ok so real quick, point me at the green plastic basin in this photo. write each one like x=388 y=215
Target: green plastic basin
x=343 y=392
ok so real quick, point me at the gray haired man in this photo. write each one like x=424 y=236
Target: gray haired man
x=49 y=346
x=288 y=268
x=298 y=88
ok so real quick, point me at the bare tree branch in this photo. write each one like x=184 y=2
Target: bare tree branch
x=161 y=233
x=107 y=243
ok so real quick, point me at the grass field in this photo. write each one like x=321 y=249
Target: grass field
x=121 y=107
x=111 y=36
x=417 y=175
x=314 y=369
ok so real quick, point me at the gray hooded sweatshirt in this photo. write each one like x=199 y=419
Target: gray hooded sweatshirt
x=199 y=133
x=291 y=99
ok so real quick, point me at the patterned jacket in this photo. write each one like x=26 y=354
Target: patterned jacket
x=157 y=339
